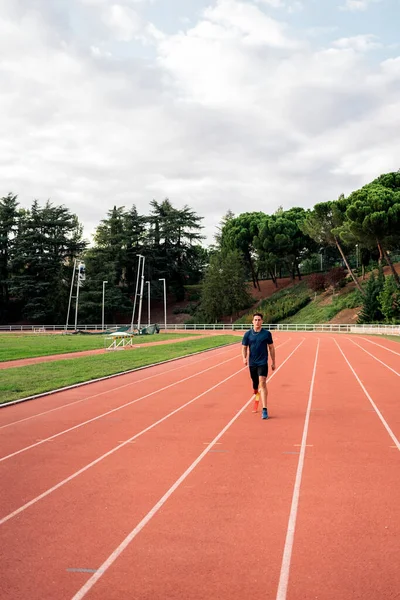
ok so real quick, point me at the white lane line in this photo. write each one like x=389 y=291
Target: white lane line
x=287 y=552
x=110 y=452
x=373 y=356
x=109 y=412
x=381 y=346
x=56 y=435
x=120 y=387
x=376 y=409
x=118 y=551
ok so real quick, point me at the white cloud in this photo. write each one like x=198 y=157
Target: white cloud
x=236 y=112
x=359 y=43
x=357 y=5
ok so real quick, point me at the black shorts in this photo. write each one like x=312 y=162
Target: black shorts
x=257 y=372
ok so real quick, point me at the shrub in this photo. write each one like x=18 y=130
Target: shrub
x=316 y=282
x=336 y=277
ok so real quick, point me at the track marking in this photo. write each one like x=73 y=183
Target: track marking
x=373 y=356
x=118 y=551
x=52 y=437
x=56 y=435
x=120 y=387
x=378 y=412
x=110 y=452
x=287 y=552
x=380 y=346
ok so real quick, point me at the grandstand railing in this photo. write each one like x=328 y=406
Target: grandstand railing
x=375 y=328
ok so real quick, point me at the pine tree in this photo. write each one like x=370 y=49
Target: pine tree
x=371 y=312
x=389 y=300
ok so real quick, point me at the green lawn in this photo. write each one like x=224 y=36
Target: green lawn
x=16 y=346
x=315 y=312
x=22 y=382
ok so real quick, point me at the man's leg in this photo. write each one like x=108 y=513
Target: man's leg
x=255 y=380
x=264 y=391
x=263 y=373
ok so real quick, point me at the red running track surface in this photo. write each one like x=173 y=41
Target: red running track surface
x=162 y=484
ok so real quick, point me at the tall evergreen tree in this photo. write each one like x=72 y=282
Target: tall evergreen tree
x=8 y=223
x=46 y=243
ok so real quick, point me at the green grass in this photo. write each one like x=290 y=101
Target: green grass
x=16 y=346
x=22 y=382
x=315 y=312
x=281 y=304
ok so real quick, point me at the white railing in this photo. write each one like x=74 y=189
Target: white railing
x=321 y=327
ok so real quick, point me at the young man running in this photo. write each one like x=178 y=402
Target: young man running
x=258 y=340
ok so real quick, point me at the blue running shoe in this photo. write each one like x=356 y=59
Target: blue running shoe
x=264 y=413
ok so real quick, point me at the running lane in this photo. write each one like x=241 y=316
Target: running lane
x=51 y=543
x=347 y=538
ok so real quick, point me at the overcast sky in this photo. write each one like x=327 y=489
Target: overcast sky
x=218 y=104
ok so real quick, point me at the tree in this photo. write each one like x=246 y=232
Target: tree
x=8 y=222
x=389 y=300
x=239 y=233
x=224 y=290
x=172 y=244
x=322 y=225
x=370 y=311
x=46 y=242
x=373 y=216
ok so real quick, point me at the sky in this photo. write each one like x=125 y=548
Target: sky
x=215 y=104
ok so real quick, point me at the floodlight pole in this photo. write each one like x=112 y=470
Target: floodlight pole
x=136 y=290
x=165 y=303
x=141 y=294
x=102 y=306
x=70 y=295
x=78 y=285
x=148 y=301
x=357 y=255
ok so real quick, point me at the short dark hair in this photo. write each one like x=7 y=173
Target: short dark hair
x=257 y=314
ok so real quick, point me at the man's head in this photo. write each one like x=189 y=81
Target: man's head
x=257 y=321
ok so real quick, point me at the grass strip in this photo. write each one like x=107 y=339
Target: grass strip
x=15 y=346
x=22 y=382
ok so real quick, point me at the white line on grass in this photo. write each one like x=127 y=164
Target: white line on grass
x=120 y=387
x=381 y=346
x=110 y=452
x=109 y=412
x=386 y=426
x=118 y=551
x=287 y=552
x=373 y=356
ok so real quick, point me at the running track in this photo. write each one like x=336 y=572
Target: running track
x=162 y=484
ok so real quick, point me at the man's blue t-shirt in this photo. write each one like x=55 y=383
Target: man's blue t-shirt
x=258 y=346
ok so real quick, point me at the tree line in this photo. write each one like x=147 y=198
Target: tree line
x=38 y=247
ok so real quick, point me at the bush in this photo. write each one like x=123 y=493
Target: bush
x=316 y=282
x=336 y=277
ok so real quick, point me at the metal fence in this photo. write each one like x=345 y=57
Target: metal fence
x=305 y=327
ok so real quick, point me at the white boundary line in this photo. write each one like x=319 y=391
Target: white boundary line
x=42 y=441
x=380 y=346
x=373 y=356
x=75 y=385
x=109 y=412
x=386 y=426
x=120 y=387
x=287 y=552
x=118 y=551
x=110 y=452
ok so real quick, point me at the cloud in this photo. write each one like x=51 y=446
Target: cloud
x=357 y=5
x=236 y=111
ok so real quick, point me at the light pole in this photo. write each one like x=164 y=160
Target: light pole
x=357 y=255
x=102 y=306
x=148 y=301
x=165 y=304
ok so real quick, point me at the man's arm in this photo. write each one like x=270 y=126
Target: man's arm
x=272 y=351
x=244 y=354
